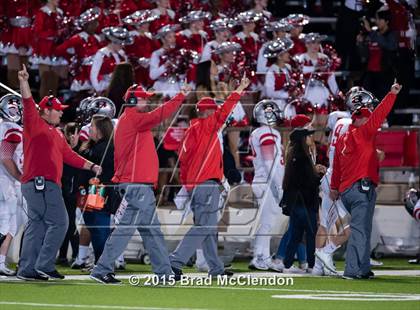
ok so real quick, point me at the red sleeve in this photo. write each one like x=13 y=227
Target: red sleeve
x=31 y=118
x=39 y=30
x=379 y=115
x=219 y=117
x=61 y=50
x=146 y=121
x=336 y=173
x=70 y=157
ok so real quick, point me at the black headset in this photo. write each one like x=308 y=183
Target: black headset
x=50 y=99
x=132 y=99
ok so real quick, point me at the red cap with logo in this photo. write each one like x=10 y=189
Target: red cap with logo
x=136 y=91
x=206 y=103
x=52 y=103
x=299 y=121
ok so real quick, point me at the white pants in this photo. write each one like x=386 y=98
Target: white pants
x=12 y=205
x=268 y=199
x=330 y=211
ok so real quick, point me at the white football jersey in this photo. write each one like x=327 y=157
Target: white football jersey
x=340 y=128
x=259 y=137
x=12 y=132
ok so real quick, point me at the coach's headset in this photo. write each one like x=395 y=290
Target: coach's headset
x=50 y=103
x=132 y=99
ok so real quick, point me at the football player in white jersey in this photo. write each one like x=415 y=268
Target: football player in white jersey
x=268 y=163
x=334 y=228
x=11 y=165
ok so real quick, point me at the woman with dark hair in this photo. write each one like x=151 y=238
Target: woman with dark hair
x=122 y=78
x=100 y=150
x=301 y=196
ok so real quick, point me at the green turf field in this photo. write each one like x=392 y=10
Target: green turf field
x=384 y=292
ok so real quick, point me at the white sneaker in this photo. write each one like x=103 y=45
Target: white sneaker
x=294 y=269
x=259 y=263
x=326 y=259
x=276 y=266
x=119 y=265
x=303 y=266
x=375 y=263
x=4 y=271
x=318 y=269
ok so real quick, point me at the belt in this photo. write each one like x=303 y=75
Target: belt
x=20 y=22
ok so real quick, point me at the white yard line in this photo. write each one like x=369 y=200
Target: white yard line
x=34 y=304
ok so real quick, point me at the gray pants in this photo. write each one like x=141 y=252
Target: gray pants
x=205 y=205
x=140 y=214
x=46 y=228
x=361 y=207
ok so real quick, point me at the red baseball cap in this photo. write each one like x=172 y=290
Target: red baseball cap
x=361 y=113
x=136 y=91
x=299 y=121
x=51 y=102
x=206 y=103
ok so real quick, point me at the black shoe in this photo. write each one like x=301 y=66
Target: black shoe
x=107 y=279
x=225 y=273
x=351 y=277
x=79 y=266
x=369 y=275
x=32 y=278
x=177 y=271
x=54 y=275
x=62 y=261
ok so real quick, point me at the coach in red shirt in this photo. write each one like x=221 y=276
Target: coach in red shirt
x=355 y=177
x=201 y=171
x=45 y=149
x=136 y=167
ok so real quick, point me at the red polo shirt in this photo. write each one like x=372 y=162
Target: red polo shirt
x=135 y=157
x=44 y=147
x=201 y=157
x=355 y=155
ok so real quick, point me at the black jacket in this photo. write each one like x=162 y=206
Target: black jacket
x=95 y=154
x=301 y=185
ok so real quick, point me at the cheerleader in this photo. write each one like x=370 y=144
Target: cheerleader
x=278 y=80
x=19 y=15
x=81 y=48
x=159 y=64
x=141 y=50
x=47 y=32
x=297 y=21
x=108 y=57
x=166 y=15
x=221 y=28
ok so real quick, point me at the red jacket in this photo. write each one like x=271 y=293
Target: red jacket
x=201 y=156
x=355 y=155
x=44 y=147
x=135 y=157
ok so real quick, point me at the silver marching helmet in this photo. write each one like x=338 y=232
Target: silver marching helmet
x=195 y=16
x=410 y=200
x=11 y=108
x=267 y=112
x=222 y=24
x=277 y=47
x=118 y=35
x=358 y=97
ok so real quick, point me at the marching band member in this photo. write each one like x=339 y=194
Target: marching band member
x=140 y=52
x=11 y=165
x=194 y=37
x=108 y=57
x=81 y=48
x=221 y=28
x=297 y=21
x=267 y=186
x=159 y=64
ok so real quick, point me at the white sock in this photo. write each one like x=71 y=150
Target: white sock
x=83 y=253
x=330 y=248
x=2 y=259
x=121 y=258
x=200 y=259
